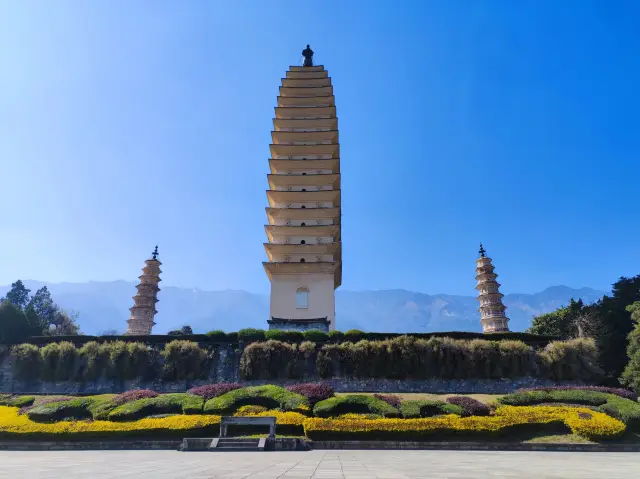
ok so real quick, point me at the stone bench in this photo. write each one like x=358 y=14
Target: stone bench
x=270 y=421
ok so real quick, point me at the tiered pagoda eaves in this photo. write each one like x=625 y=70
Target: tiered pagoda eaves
x=304 y=249
x=144 y=302
x=491 y=309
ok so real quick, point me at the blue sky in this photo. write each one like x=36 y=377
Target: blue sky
x=126 y=124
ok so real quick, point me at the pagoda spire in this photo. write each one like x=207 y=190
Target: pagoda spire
x=144 y=302
x=492 y=311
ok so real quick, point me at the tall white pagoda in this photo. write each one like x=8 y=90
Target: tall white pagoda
x=491 y=309
x=144 y=302
x=304 y=248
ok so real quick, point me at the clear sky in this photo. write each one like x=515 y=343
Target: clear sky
x=125 y=124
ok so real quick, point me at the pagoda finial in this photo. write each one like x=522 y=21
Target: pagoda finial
x=155 y=253
x=307 y=53
x=482 y=251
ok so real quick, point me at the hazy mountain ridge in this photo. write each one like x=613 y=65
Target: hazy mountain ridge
x=105 y=306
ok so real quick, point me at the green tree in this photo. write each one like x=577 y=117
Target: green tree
x=573 y=321
x=631 y=375
x=63 y=324
x=43 y=306
x=14 y=326
x=18 y=295
x=617 y=324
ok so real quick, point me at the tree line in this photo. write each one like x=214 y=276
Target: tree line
x=23 y=315
x=612 y=321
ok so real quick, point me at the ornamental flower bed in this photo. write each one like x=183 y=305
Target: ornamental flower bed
x=13 y=425
x=584 y=422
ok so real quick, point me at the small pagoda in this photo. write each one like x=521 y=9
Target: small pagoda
x=492 y=316
x=144 y=302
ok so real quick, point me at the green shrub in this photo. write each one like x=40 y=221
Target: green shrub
x=96 y=360
x=179 y=403
x=271 y=397
x=426 y=408
x=354 y=335
x=315 y=335
x=59 y=361
x=251 y=334
x=572 y=359
x=354 y=403
x=275 y=359
x=286 y=336
x=217 y=335
x=232 y=337
x=91 y=407
x=26 y=361
x=184 y=360
x=336 y=336
x=16 y=401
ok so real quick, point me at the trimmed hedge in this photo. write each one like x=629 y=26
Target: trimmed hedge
x=275 y=359
x=428 y=408
x=16 y=401
x=26 y=361
x=184 y=360
x=314 y=392
x=271 y=397
x=210 y=391
x=407 y=357
x=354 y=403
x=470 y=406
x=93 y=407
x=177 y=403
x=251 y=334
x=286 y=336
x=625 y=393
x=315 y=336
x=134 y=395
x=624 y=409
x=335 y=336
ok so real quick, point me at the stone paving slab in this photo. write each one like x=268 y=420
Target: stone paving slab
x=318 y=465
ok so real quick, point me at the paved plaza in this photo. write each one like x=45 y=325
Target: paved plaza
x=317 y=464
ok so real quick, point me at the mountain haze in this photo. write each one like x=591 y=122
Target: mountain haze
x=105 y=306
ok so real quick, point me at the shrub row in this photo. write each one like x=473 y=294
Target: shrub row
x=114 y=360
x=409 y=357
x=625 y=393
x=251 y=334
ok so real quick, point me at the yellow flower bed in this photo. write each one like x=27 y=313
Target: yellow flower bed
x=582 y=421
x=13 y=423
x=289 y=418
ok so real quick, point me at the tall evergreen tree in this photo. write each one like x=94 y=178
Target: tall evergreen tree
x=18 y=295
x=631 y=375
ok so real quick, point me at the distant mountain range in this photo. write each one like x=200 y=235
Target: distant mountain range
x=104 y=306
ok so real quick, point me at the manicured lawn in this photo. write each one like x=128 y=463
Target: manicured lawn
x=485 y=398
